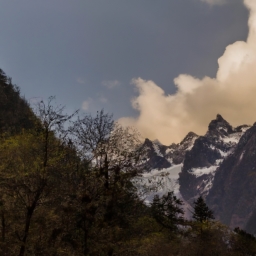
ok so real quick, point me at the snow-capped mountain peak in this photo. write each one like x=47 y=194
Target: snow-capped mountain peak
x=221 y=166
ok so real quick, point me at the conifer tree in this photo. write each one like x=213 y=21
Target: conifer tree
x=202 y=213
x=168 y=211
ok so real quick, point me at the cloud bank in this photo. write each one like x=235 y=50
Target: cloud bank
x=232 y=94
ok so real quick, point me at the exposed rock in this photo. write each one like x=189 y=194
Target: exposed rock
x=233 y=195
x=207 y=154
x=159 y=156
x=155 y=156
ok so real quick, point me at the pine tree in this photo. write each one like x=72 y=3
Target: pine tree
x=202 y=213
x=168 y=211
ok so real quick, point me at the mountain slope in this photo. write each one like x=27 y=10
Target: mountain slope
x=233 y=195
x=160 y=156
x=162 y=167
x=15 y=113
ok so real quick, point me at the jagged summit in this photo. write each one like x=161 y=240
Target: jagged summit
x=208 y=152
x=189 y=137
x=155 y=155
x=219 y=126
x=147 y=141
x=220 y=118
x=161 y=156
x=156 y=141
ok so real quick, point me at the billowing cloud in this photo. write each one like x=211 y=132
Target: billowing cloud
x=214 y=2
x=232 y=93
x=111 y=84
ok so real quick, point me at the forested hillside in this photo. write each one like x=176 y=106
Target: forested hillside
x=15 y=113
x=66 y=186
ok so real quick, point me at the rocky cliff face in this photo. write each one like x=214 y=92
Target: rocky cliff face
x=176 y=153
x=155 y=155
x=162 y=167
x=233 y=195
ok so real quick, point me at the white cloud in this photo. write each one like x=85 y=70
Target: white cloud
x=231 y=93
x=80 y=80
x=87 y=104
x=111 y=84
x=214 y=2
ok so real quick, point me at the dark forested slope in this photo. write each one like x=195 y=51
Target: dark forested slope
x=15 y=112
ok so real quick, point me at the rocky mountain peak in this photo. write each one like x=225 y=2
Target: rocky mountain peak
x=188 y=138
x=242 y=128
x=155 y=155
x=220 y=118
x=221 y=166
x=207 y=153
x=161 y=156
x=219 y=127
x=147 y=142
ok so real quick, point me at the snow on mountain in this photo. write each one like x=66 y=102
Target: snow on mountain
x=205 y=170
x=176 y=152
x=158 y=182
x=233 y=194
x=189 y=167
x=162 y=167
x=202 y=161
x=229 y=142
x=220 y=166
x=160 y=156
x=157 y=149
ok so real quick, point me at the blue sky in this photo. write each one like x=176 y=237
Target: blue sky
x=87 y=52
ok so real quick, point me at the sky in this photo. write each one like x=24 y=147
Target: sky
x=166 y=67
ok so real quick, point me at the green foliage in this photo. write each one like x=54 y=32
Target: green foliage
x=214 y=240
x=32 y=162
x=244 y=243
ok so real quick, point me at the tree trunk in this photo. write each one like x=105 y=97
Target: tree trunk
x=3 y=226
x=106 y=172
x=30 y=211
x=27 y=225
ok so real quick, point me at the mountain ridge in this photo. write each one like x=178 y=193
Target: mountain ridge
x=204 y=164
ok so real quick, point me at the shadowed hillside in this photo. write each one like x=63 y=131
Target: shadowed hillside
x=15 y=113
